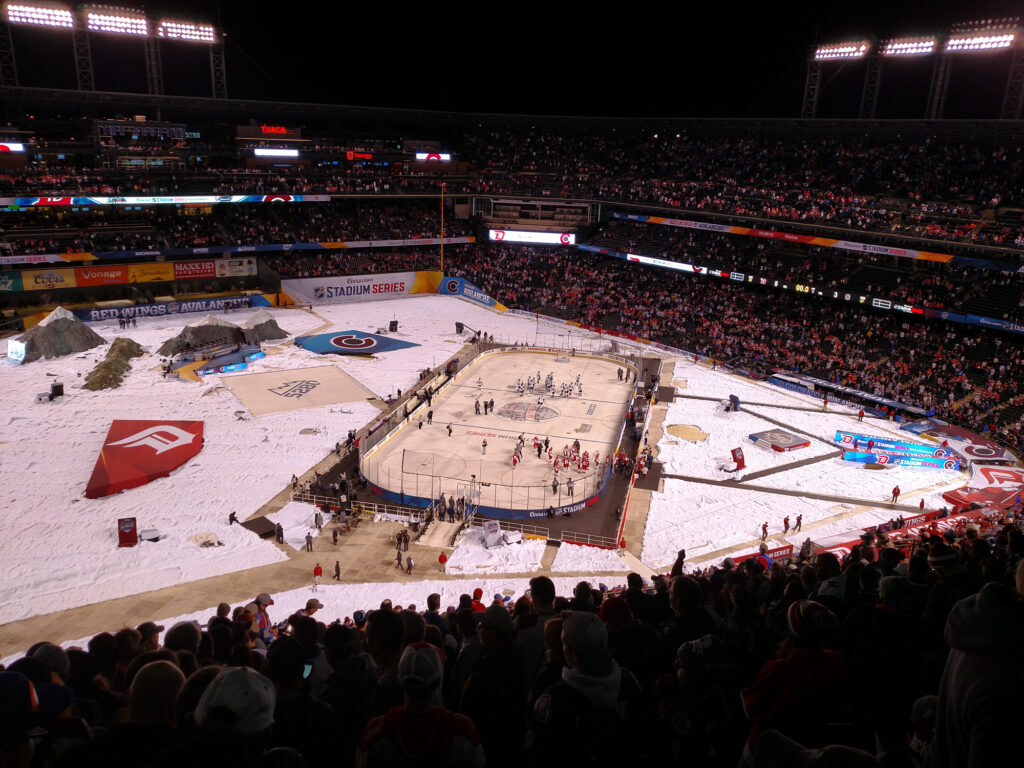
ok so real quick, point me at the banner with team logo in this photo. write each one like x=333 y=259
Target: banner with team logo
x=138 y=452
x=991 y=486
x=349 y=288
x=457 y=286
x=961 y=440
x=351 y=343
x=850 y=440
x=901 y=460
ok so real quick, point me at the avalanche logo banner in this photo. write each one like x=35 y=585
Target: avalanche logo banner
x=351 y=343
x=137 y=452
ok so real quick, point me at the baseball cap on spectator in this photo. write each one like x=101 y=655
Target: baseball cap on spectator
x=313 y=604
x=55 y=658
x=149 y=628
x=497 y=618
x=239 y=700
x=419 y=669
x=810 y=622
x=264 y=599
x=359 y=618
x=27 y=708
x=584 y=633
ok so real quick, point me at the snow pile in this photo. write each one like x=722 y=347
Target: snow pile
x=296 y=518
x=577 y=558
x=470 y=555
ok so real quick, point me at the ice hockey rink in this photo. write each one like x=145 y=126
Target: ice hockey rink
x=422 y=460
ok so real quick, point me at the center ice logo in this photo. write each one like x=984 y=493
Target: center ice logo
x=295 y=388
x=527 y=412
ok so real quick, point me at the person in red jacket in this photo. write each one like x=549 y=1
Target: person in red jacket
x=318 y=573
x=895 y=494
x=478 y=607
x=797 y=692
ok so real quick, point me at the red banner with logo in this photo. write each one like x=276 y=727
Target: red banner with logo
x=111 y=275
x=194 y=270
x=137 y=452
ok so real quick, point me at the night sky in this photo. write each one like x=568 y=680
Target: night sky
x=576 y=58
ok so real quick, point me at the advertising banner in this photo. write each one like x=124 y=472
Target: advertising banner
x=961 y=440
x=457 y=286
x=888 y=445
x=160 y=200
x=150 y=273
x=901 y=460
x=47 y=279
x=340 y=290
x=10 y=281
x=160 y=309
x=108 y=275
x=194 y=270
x=236 y=267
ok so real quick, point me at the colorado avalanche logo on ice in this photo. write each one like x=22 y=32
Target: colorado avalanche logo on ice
x=351 y=343
x=527 y=412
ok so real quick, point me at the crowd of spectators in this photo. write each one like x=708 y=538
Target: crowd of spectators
x=938 y=189
x=232 y=225
x=877 y=658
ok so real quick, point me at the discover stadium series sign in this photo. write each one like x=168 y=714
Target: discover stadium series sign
x=350 y=288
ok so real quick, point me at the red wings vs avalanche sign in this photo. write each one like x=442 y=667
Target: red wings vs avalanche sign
x=137 y=452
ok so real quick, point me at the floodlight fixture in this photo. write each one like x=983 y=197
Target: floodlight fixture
x=909 y=46
x=980 y=42
x=852 y=50
x=187 y=31
x=119 y=21
x=40 y=15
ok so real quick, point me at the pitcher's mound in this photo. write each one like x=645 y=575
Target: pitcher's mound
x=688 y=432
x=295 y=389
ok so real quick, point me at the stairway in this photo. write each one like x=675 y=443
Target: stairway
x=438 y=535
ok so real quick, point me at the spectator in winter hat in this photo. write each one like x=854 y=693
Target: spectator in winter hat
x=954 y=585
x=478 y=607
x=801 y=690
x=418 y=726
x=591 y=683
x=978 y=712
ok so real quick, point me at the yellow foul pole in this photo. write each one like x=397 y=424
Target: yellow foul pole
x=442 y=227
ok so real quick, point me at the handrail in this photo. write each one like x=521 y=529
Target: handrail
x=368 y=508
x=574 y=537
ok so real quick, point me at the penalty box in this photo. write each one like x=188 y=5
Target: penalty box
x=419 y=459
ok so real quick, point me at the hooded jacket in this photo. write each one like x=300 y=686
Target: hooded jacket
x=980 y=707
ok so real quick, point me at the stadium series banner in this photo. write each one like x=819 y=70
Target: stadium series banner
x=340 y=290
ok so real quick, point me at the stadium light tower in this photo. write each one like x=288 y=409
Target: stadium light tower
x=840 y=52
x=895 y=48
x=110 y=20
x=976 y=38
